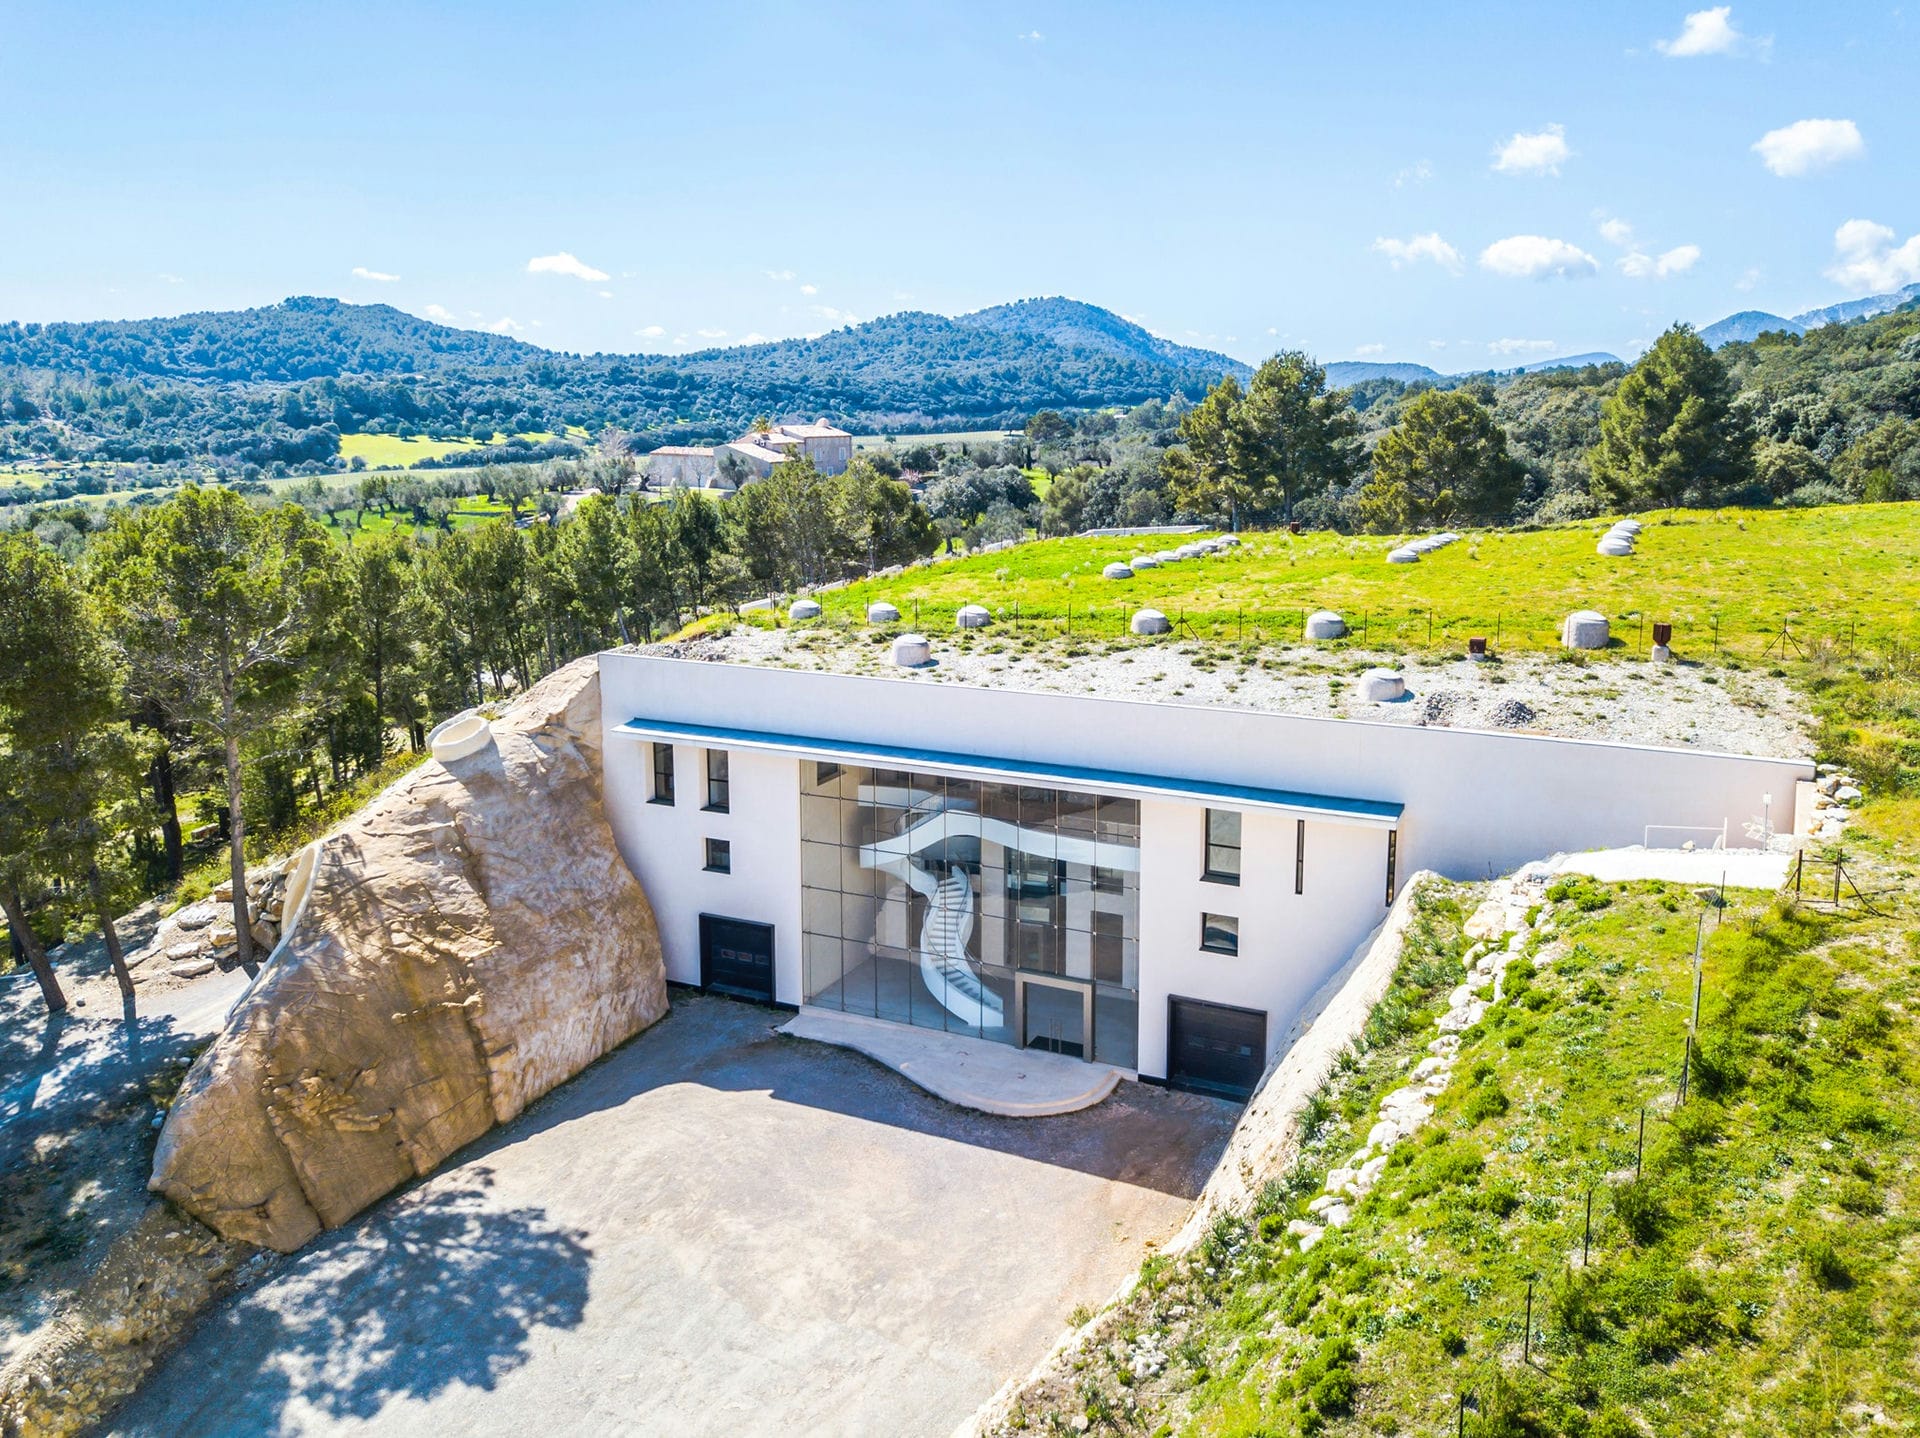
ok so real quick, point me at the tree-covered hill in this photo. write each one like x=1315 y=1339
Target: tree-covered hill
x=278 y=385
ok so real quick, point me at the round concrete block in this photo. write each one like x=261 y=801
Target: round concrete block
x=1143 y=561
x=1167 y=556
x=1150 y=621
x=460 y=736
x=1630 y=526
x=1230 y=540
x=1584 y=629
x=910 y=651
x=972 y=616
x=1325 y=624
x=1189 y=551
x=1403 y=555
x=802 y=609
x=1382 y=686
x=1116 y=571
x=1614 y=546
x=881 y=612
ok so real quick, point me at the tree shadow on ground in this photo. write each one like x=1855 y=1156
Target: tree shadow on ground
x=429 y=1290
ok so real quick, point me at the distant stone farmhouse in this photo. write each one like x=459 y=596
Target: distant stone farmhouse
x=681 y=466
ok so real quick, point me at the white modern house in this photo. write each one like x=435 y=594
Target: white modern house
x=681 y=466
x=1156 y=887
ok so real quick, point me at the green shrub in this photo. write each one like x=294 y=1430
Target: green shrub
x=1452 y=1342
x=1698 y=1124
x=1500 y=1198
x=1488 y=1100
x=1640 y=1210
x=1825 y=1266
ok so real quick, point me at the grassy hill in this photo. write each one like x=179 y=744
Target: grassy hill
x=1839 y=576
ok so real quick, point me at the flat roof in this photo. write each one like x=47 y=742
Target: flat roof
x=1374 y=812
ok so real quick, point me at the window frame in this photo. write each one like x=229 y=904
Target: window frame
x=1208 y=873
x=663 y=775
x=722 y=785
x=1215 y=921
x=721 y=850
x=1300 y=856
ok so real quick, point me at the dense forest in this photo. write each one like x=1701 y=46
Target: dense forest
x=272 y=390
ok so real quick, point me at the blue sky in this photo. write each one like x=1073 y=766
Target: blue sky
x=1461 y=186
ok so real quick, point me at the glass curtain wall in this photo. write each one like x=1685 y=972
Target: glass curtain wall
x=927 y=898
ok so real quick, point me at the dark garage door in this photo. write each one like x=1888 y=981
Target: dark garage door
x=736 y=958
x=1215 y=1049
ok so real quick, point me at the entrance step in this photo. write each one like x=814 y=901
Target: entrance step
x=972 y=1073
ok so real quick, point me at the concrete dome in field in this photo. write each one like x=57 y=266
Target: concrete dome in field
x=1116 y=571
x=802 y=609
x=1403 y=555
x=881 y=612
x=911 y=651
x=1149 y=621
x=1143 y=561
x=1325 y=624
x=1614 y=546
x=1382 y=686
x=1168 y=556
x=972 y=616
x=1585 y=629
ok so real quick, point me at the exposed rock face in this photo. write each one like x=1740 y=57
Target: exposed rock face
x=470 y=940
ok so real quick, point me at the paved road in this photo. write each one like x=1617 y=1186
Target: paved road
x=716 y=1230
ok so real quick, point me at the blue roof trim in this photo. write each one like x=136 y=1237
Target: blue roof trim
x=1366 y=811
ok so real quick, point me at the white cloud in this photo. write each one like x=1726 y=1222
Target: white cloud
x=566 y=264
x=1364 y=350
x=1710 y=32
x=606 y=294
x=809 y=289
x=652 y=332
x=171 y=279
x=1676 y=261
x=1808 y=145
x=1032 y=37
x=1616 y=232
x=1420 y=247
x=711 y=334
x=780 y=275
x=837 y=316
x=361 y=272
x=440 y=313
x=506 y=325
x=1418 y=173
x=1536 y=257
x=1749 y=277
x=1866 y=258
x=753 y=337
x=1519 y=347
x=1540 y=153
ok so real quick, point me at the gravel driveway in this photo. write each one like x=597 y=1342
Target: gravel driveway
x=715 y=1230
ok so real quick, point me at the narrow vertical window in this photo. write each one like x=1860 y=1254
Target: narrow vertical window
x=662 y=774
x=1393 y=858
x=719 y=796
x=1300 y=857
x=1223 y=847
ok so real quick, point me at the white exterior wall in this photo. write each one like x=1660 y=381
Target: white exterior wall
x=1289 y=943
x=1474 y=803
x=665 y=846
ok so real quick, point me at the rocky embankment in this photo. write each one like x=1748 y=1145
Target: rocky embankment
x=200 y=937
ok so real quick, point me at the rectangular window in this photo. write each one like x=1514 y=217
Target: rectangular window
x=824 y=773
x=1109 y=881
x=718 y=795
x=719 y=856
x=1393 y=858
x=662 y=774
x=1109 y=948
x=1223 y=847
x=1220 y=933
x=1300 y=856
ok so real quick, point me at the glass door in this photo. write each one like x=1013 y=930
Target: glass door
x=1056 y=1015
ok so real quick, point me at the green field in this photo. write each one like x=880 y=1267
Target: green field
x=392 y=451
x=1728 y=579
x=956 y=436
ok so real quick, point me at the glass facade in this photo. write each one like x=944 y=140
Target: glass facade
x=999 y=911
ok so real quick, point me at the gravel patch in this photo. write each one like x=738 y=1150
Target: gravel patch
x=1686 y=705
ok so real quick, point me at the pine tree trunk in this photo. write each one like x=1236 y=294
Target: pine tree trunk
x=109 y=933
x=169 y=807
x=16 y=913
x=237 y=854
